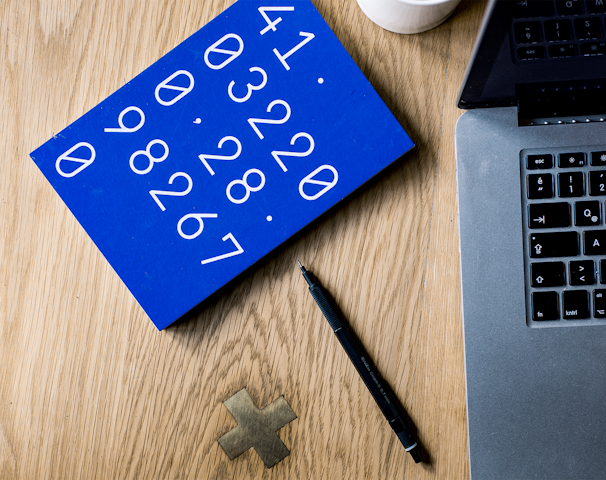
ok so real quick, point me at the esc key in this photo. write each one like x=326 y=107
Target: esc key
x=542 y=162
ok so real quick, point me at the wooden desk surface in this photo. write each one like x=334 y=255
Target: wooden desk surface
x=90 y=389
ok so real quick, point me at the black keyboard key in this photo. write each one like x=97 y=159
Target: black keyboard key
x=598 y=159
x=532 y=9
x=587 y=214
x=597 y=183
x=545 y=306
x=547 y=274
x=558 y=30
x=541 y=162
x=599 y=303
x=531 y=53
x=588 y=28
x=540 y=186
x=593 y=48
x=548 y=215
x=595 y=6
x=571 y=184
x=557 y=244
x=528 y=32
x=567 y=160
x=582 y=272
x=569 y=7
x=576 y=304
x=594 y=242
x=602 y=271
x=562 y=50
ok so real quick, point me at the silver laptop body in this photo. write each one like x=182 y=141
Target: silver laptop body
x=536 y=385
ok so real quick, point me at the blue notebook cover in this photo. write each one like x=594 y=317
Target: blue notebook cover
x=220 y=151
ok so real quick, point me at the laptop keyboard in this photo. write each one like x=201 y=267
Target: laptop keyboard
x=564 y=210
x=554 y=29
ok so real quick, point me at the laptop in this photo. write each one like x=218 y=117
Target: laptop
x=531 y=180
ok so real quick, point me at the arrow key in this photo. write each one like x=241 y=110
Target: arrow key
x=547 y=274
x=582 y=272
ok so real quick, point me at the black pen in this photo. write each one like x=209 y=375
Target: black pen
x=389 y=406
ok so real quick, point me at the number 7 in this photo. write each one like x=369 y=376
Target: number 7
x=238 y=251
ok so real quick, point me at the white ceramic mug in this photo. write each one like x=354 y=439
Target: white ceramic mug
x=408 y=16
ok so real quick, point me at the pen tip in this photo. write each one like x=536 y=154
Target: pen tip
x=299 y=264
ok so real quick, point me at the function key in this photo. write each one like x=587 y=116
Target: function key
x=576 y=304
x=594 y=242
x=548 y=215
x=599 y=303
x=582 y=272
x=557 y=244
x=545 y=306
x=531 y=53
x=598 y=159
x=548 y=274
x=541 y=162
x=595 y=6
x=528 y=32
x=587 y=214
x=566 y=160
x=532 y=8
x=540 y=186
x=569 y=7
x=597 y=183
x=593 y=48
x=571 y=184
x=588 y=28
x=562 y=50
x=558 y=30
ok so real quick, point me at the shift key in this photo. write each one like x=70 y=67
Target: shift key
x=558 y=244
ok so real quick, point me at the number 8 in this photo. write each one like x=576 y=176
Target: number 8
x=148 y=154
x=245 y=184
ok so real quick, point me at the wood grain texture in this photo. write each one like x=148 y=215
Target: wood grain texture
x=90 y=389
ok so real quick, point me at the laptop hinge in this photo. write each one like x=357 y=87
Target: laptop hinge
x=561 y=102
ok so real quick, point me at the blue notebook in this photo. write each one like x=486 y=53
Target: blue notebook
x=220 y=151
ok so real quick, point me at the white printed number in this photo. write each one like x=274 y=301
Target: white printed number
x=272 y=25
x=253 y=121
x=166 y=85
x=309 y=179
x=123 y=128
x=308 y=38
x=147 y=153
x=277 y=154
x=204 y=157
x=238 y=250
x=218 y=52
x=156 y=193
x=248 y=85
x=65 y=157
x=194 y=216
x=247 y=187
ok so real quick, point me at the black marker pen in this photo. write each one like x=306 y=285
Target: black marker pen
x=383 y=396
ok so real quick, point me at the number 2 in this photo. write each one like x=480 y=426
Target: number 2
x=276 y=153
x=155 y=193
x=239 y=250
x=253 y=121
x=204 y=156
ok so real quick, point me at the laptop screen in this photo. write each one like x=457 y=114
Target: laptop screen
x=550 y=51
